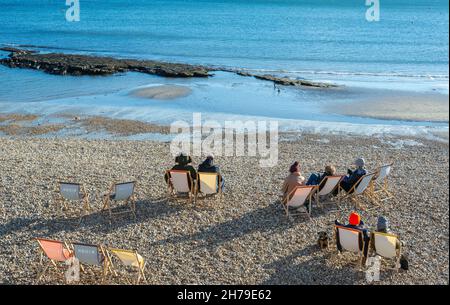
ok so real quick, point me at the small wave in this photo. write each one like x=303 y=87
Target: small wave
x=345 y=73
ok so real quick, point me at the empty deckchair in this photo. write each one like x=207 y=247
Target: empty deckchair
x=381 y=186
x=361 y=189
x=73 y=192
x=328 y=186
x=297 y=199
x=351 y=240
x=180 y=183
x=208 y=184
x=55 y=251
x=132 y=259
x=92 y=255
x=120 y=192
x=385 y=245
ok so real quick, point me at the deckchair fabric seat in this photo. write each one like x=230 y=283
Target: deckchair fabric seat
x=88 y=254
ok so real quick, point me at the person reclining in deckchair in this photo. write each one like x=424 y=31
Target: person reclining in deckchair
x=355 y=222
x=353 y=176
x=208 y=166
x=293 y=180
x=383 y=227
x=317 y=178
x=182 y=163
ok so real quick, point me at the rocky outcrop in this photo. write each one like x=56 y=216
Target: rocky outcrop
x=68 y=64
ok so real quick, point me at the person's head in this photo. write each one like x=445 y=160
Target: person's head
x=182 y=159
x=382 y=224
x=295 y=167
x=209 y=160
x=330 y=170
x=360 y=163
x=354 y=219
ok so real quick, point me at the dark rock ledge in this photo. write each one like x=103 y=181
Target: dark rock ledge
x=70 y=64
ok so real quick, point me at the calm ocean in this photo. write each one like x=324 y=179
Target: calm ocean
x=323 y=40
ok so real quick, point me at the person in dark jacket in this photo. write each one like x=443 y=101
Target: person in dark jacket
x=355 y=222
x=183 y=163
x=208 y=166
x=316 y=179
x=353 y=176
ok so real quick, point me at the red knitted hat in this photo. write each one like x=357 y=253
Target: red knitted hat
x=354 y=219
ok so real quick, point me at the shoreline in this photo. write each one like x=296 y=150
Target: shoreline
x=247 y=239
x=65 y=125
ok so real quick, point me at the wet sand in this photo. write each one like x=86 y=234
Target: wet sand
x=165 y=92
x=418 y=107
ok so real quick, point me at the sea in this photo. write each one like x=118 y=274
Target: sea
x=333 y=41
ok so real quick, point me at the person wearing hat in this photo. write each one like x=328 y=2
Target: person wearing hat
x=383 y=227
x=208 y=166
x=353 y=176
x=355 y=222
x=183 y=163
x=293 y=180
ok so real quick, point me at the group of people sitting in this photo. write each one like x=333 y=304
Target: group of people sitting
x=183 y=162
x=295 y=177
x=355 y=222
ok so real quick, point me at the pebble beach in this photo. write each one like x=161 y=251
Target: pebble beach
x=243 y=239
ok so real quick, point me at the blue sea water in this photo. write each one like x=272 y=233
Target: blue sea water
x=325 y=40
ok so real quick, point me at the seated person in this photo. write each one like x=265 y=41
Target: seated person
x=208 y=166
x=353 y=176
x=182 y=163
x=383 y=227
x=293 y=180
x=355 y=222
x=316 y=179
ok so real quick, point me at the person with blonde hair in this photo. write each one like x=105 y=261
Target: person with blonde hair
x=317 y=178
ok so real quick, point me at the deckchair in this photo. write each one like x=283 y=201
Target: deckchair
x=180 y=182
x=380 y=186
x=92 y=255
x=297 y=199
x=385 y=245
x=131 y=259
x=328 y=186
x=208 y=184
x=55 y=251
x=120 y=192
x=73 y=192
x=351 y=240
x=360 y=190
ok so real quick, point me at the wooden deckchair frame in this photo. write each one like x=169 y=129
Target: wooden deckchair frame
x=308 y=199
x=141 y=269
x=61 y=202
x=337 y=187
x=380 y=189
x=360 y=237
x=130 y=201
x=356 y=198
x=172 y=193
x=373 y=251
x=51 y=262
x=218 y=194
x=106 y=258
